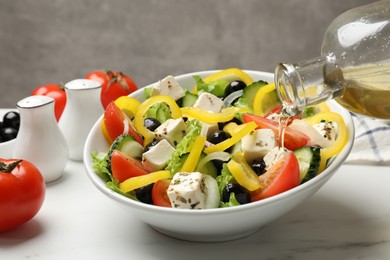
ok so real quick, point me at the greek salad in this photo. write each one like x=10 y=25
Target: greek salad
x=222 y=144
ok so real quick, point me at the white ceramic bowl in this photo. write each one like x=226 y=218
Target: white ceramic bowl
x=220 y=224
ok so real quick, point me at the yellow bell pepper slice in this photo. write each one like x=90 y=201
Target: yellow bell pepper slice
x=139 y=181
x=322 y=107
x=232 y=128
x=105 y=133
x=341 y=138
x=143 y=108
x=246 y=129
x=243 y=173
x=193 y=157
x=225 y=115
x=228 y=75
x=266 y=98
x=128 y=105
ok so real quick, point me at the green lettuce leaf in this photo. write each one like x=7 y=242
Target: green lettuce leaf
x=176 y=162
x=100 y=162
x=216 y=87
x=225 y=178
x=231 y=203
x=222 y=180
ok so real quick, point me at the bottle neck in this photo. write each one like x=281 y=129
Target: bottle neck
x=308 y=83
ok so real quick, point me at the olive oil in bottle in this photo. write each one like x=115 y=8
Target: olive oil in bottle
x=353 y=68
x=367 y=91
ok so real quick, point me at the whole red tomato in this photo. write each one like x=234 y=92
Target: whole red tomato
x=57 y=93
x=114 y=84
x=22 y=191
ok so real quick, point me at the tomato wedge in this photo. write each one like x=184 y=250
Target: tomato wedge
x=159 y=193
x=116 y=123
x=293 y=139
x=282 y=176
x=124 y=166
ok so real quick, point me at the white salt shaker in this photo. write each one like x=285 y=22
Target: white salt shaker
x=82 y=110
x=39 y=139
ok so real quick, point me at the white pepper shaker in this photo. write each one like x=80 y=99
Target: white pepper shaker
x=82 y=110
x=39 y=139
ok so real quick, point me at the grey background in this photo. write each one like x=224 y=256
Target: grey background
x=51 y=41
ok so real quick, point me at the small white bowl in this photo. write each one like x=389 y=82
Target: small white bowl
x=221 y=224
x=7 y=148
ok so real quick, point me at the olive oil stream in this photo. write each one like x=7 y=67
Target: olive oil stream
x=282 y=123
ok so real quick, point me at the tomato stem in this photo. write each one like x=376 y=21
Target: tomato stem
x=7 y=168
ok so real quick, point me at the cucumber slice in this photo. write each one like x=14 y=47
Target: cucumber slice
x=248 y=95
x=127 y=145
x=207 y=168
x=309 y=161
x=189 y=99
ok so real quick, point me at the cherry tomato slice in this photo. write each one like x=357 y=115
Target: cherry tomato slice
x=116 y=123
x=160 y=195
x=282 y=176
x=293 y=139
x=124 y=166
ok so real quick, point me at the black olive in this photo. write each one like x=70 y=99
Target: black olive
x=150 y=145
x=8 y=133
x=217 y=137
x=11 y=119
x=242 y=196
x=151 y=123
x=258 y=167
x=144 y=194
x=234 y=86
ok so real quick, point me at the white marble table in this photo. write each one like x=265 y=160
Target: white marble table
x=349 y=218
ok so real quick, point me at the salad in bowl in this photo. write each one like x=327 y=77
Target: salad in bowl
x=211 y=142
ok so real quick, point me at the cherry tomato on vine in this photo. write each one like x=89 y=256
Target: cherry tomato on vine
x=57 y=93
x=22 y=192
x=114 y=84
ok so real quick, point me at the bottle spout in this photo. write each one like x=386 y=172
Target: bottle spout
x=288 y=85
x=308 y=83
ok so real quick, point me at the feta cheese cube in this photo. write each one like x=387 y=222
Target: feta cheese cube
x=273 y=156
x=173 y=130
x=327 y=129
x=187 y=190
x=209 y=102
x=168 y=86
x=157 y=157
x=257 y=144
